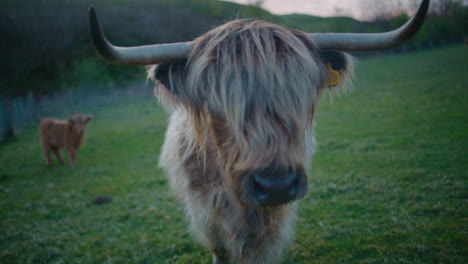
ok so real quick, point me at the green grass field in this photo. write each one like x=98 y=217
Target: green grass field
x=388 y=183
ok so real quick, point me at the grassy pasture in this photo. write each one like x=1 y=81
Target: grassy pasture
x=388 y=183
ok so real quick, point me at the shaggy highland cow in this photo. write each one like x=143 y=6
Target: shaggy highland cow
x=242 y=99
x=56 y=134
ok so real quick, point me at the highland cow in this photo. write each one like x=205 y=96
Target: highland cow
x=57 y=134
x=242 y=98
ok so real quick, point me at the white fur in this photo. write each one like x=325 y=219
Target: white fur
x=265 y=95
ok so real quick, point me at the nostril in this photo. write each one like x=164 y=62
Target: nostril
x=294 y=186
x=259 y=190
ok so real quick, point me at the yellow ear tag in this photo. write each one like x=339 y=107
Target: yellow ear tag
x=333 y=76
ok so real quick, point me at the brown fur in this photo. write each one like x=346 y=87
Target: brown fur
x=243 y=101
x=57 y=134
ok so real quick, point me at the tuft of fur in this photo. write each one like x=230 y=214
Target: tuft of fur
x=243 y=100
x=57 y=134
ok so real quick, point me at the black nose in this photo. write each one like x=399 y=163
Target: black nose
x=271 y=187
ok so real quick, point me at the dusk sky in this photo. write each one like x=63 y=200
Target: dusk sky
x=353 y=8
x=312 y=7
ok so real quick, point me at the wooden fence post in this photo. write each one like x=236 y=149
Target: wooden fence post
x=7 y=124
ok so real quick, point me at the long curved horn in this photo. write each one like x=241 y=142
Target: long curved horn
x=139 y=55
x=372 y=41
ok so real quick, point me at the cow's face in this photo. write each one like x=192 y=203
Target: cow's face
x=78 y=122
x=252 y=88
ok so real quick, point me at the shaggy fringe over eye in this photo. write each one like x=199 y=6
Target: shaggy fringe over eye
x=250 y=71
x=263 y=79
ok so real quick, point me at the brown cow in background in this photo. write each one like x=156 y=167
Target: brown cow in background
x=56 y=134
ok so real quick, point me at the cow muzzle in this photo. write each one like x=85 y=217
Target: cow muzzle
x=272 y=186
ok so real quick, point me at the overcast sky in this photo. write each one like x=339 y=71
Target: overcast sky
x=359 y=9
x=312 y=7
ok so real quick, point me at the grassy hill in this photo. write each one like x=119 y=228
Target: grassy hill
x=323 y=24
x=388 y=183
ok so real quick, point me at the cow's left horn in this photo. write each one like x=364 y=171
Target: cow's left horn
x=372 y=41
x=139 y=55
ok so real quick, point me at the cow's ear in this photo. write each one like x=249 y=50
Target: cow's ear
x=171 y=75
x=339 y=67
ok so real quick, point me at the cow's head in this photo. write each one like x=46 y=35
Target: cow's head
x=251 y=88
x=78 y=122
